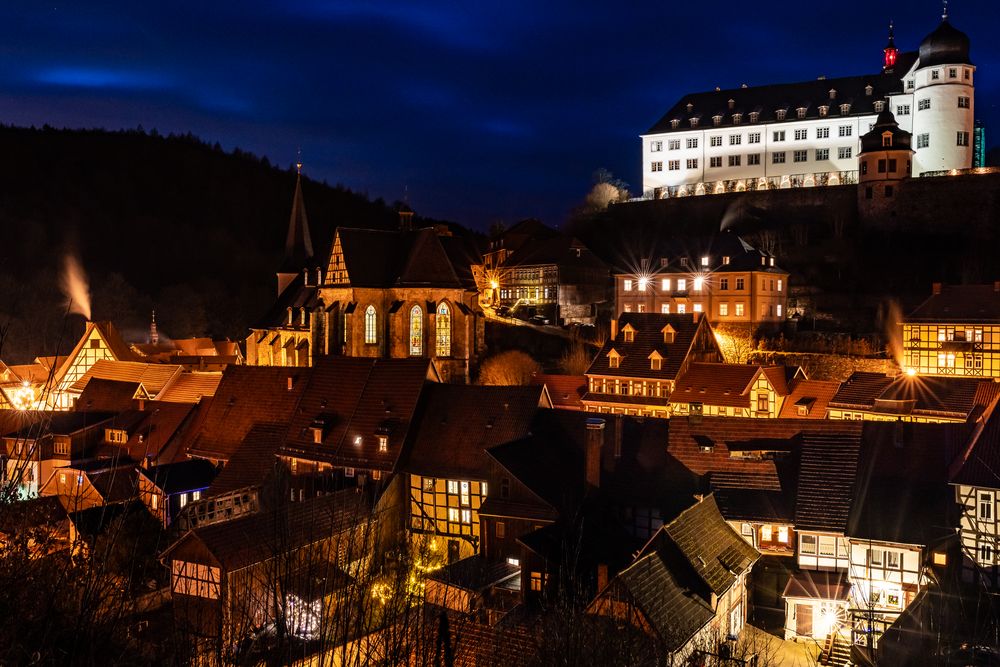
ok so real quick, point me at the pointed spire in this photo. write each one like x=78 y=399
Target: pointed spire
x=944 y=11
x=892 y=40
x=298 y=243
x=890 y=52
x=154 y=336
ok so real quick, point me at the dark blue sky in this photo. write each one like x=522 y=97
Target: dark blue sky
x=482 y=110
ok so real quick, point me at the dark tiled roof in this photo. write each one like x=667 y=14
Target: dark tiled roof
x=154 y=377
x=740 y=504
x=419 y=258
x=905 y=394
x=873 y=140
x=560 y=250
x=157 y=431
x=247 y=395
x=766 y=100
x=458 y=423
x=116 y=485
x=475 y=573
x=960 y=304
x=815 y=394
x=296 y=295
x=251 y=539
x=104 y=395
x=817 y=585
x=648 y=338
x=298 y=243
x=828 y=467
x=253 y=462
x=724 y=384
x=57 y=423
x=667 y=255
x=190 y=475
x=354 y=400
x=902 y=492
x=981 y=466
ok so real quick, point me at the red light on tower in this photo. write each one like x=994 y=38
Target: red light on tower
x=890 y=52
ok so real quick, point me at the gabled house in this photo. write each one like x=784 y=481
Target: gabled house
x=166 y=489
x=638 y=366
x=284 y=567
x=448 y=467
x=912 y=398
x=100 y=341
x=737 y=390
x=808 y=399
x=152 y=379
x=687 y=587
x=952 y=332
x=94 y=483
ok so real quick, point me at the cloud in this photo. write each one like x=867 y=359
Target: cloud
x=100 y=78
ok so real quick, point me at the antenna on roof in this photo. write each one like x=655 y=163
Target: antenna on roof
x=944 y=12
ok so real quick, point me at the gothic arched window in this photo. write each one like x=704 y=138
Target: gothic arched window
x=416 y=331
x=443 y=331
x=371 y=328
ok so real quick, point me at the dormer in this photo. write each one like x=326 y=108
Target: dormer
x=737 y=118
x=628 y=333
x=780 y=114
x=754 y=116
x=614 y=359
x=690 y=107
x=675 y=123
x=694 y=122
x=669 y=334
x=800 y=112
x=879 y=106
x=845 y=108
x=316 y=428
x=833 y=93
x=732 y=104
x=655 y=361
x=717 y=120
x=887 y=139
x=823 y=110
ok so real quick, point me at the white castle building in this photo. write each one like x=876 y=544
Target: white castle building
x=806 y=134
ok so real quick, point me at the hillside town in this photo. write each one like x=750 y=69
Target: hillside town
x=438 y=448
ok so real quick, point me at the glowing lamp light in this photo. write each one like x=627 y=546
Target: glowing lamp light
x=826 y=622
x=357 y=440
x=494 y=284
x=643 y=282
x=911 y=371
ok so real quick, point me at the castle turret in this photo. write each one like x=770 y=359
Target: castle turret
x=884 y=162
x=943 y=101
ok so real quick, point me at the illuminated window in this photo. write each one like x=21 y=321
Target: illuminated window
x=779 y=284
x=665 y=284
x=723 y=309
x=453 y=515
x=182 y=499
x=765 y=533
x=195 y=495
x=665 y=308
x=513 y=561
x=536 y=581
x=383 y=443
x=985 y=506
x=195 y=579
x=452 y=487
x=466 y=516
x=777 y=310
x=682 y=284
x=442 y=327
x=655 y=363
x=697 y=307
x=681 y=309
x=627 y=286
x=371 y=330
x=416 y=331
x=613 y=361
x=629 y=334
x=643 y=282
x=763 y=402
x=428 y=484
x=500 y=529
x=807 y=545
x=783 y=534
x=699 y=283
x=893 y=560
x=464 y=493
x=739 y=310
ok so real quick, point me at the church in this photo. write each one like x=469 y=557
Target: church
x=808 y=134
x=403 y=293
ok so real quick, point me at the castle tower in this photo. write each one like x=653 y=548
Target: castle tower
x=298 y=243
x=884 y=162
x=889 y=53
x=943 y=101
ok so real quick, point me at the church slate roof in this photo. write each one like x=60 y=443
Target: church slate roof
x=766 y=100
x=298 y=243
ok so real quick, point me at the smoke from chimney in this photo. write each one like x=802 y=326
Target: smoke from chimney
x=75 y=287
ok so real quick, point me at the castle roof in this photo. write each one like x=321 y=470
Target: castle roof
x=945 y=46
x=873 y=140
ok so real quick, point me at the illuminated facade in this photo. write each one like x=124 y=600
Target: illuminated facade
x=806 y=134
x=955 y=332
x=731 y=390
x=723 y=277
x=912 y=398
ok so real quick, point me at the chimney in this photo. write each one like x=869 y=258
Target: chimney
x=291 y=382
x=595 y=440
x=614 y=328
x=602 y=577
x=996 y=285
x=935 y=288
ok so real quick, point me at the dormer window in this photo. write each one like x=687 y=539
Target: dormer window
x=725 y=259
x=833 y=93
x=668 y=334
x=614 y=359
x=868 y=90
x=291 y=316
x=737 y=118
x=383 y=443
x=879 y=106
x=845 y=109
x=887 y=139
x=704 y=260
x=754 y=116
x=694 y=122
x=690 y=107
x=781 y=113
x=717 y=120
x=656 y=361
x=824 y=110
x=800 y=112
x=628 y=333
x=732 y=103
x=685 y=262
x=675 y=123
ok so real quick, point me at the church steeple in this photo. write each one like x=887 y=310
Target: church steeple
x=889 y=52
x=298 y=242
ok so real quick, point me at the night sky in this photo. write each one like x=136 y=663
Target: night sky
x=480 y=111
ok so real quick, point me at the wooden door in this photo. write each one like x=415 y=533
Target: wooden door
x=804 y=620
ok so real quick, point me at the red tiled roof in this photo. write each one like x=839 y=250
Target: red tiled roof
x=816 y=394
x=564 y=390
x=191 y=387
x=354 y=400
x=154 y=377
x=724 y=384
x=458 y=423
x=247 y=395
x=253 y=461
x=107 y=395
